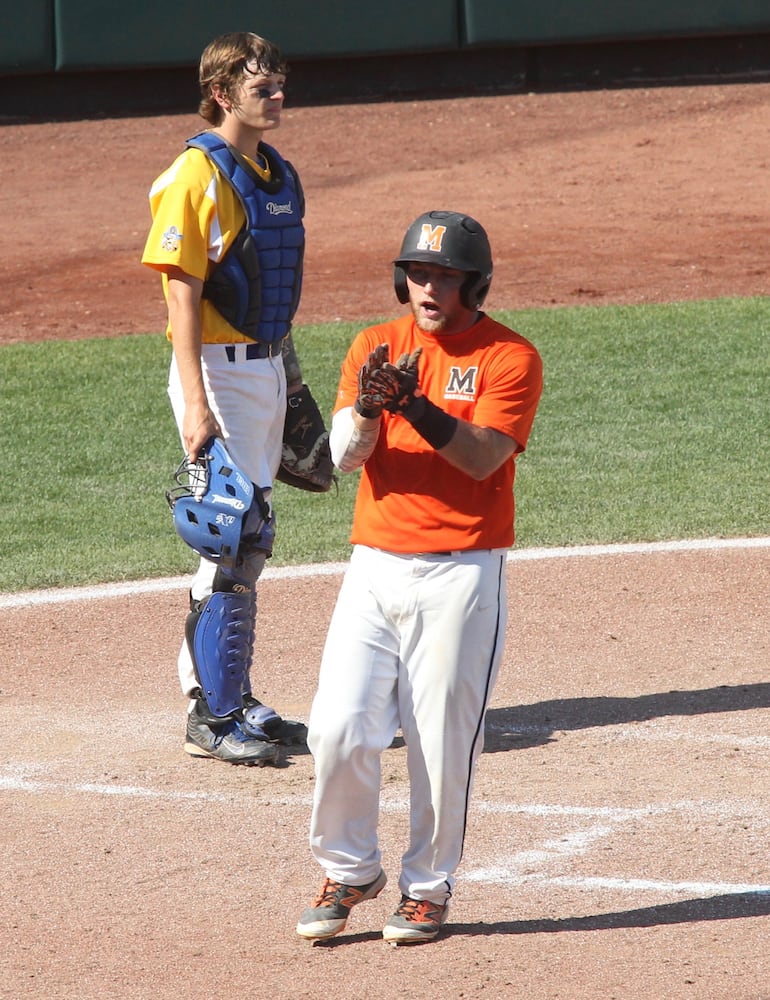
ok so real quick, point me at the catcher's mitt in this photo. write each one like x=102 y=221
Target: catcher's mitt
x=306 y=461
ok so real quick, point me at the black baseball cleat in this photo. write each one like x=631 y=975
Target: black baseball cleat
x=225 y=739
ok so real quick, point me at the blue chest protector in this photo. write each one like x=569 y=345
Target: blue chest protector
x=257 y=284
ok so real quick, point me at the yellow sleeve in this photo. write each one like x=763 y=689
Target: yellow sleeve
x=186 y=231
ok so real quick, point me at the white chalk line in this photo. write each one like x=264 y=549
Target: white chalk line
x=643 y=731
x=639 y=884
x=18 y=778
x=134 y=587
x=632 y=885
x=521 y=868
x=513 y=870
x=516 y=870
x=18 y=784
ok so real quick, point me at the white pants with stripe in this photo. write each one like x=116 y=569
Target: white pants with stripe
x=415 y=642
x=248 y=398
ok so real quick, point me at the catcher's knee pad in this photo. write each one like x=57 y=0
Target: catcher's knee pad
x=254 y=549
x=220 y=636
x=256 y=545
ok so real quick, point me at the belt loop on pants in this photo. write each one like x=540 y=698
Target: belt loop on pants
x=254 y=351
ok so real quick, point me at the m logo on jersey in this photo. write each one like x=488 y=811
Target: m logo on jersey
x=431 y=237
x=461 y=385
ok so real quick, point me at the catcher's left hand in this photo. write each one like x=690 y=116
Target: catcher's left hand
x=306 y=461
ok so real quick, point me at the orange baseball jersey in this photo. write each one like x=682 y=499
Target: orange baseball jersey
x=488 y=375
x=196 y=215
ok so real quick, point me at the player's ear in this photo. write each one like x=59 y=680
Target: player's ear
x=221 y=97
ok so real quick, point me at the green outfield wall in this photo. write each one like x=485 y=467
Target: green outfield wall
x=27 y=41
x=60 y=36
x=153 y=34
x=549 y=22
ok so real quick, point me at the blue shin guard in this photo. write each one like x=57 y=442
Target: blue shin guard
x=220 y=635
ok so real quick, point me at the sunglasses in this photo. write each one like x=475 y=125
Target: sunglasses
x=435 y=276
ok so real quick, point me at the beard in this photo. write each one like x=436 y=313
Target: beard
x=429 y=324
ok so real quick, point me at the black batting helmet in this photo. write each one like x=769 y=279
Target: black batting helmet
x=448 y=239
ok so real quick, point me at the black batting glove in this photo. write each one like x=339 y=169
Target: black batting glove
x=369 y=402
x=399 y=383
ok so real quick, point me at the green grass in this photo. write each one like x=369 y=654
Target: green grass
x=654 y=424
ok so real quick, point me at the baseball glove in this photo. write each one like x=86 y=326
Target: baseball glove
x=306 y=461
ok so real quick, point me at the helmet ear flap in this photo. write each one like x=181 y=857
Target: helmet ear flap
x=399 y=283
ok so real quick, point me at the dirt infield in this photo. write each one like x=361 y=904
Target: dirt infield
x=617 y=846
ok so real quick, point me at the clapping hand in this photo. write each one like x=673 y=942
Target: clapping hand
x=398 y=385
x=369 y=401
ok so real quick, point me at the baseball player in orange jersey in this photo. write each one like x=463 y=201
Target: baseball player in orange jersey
x=434 y=408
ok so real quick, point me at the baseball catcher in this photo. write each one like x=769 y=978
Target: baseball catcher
x=228 y=240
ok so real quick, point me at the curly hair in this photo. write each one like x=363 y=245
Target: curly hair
x=223 y=63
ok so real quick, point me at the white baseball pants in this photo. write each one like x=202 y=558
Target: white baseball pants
x=414 y=642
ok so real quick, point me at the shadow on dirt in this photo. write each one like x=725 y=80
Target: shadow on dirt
x=733 y=906
x=523 y=726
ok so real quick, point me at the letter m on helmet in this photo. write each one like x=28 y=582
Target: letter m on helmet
x=431 y=237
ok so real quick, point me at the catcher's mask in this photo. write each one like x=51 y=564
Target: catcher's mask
x=447 y=239
x=216 y=508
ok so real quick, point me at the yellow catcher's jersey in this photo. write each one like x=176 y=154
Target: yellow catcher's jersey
x=488 y=375
x=196 y=215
